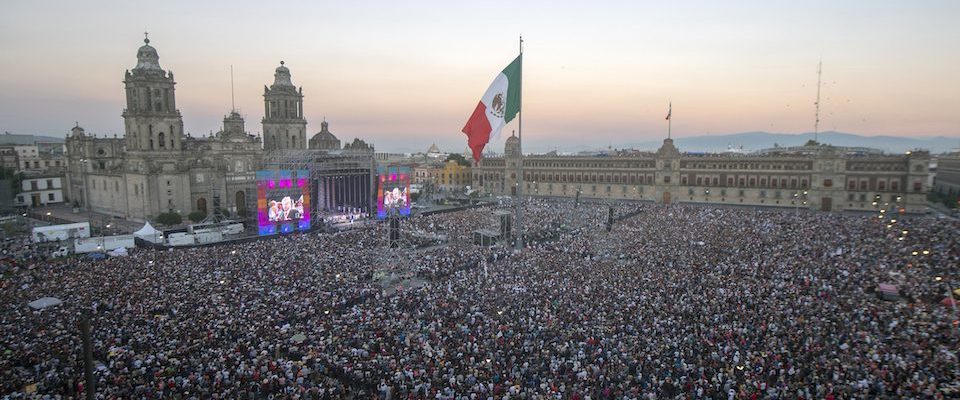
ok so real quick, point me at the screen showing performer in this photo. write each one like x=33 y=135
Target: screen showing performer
x=393 y=194
x=283 y=201
x=285 y=208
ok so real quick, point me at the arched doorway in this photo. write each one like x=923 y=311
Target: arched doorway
x=202 y=204
x=241 y=202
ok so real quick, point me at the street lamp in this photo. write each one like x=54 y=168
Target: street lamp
x=797 y=198
x=953 y=303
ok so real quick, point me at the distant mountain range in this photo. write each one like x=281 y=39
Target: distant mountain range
x=752 y=141
x=748 y=141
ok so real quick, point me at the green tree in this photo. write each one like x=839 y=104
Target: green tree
x=169 y=218
x=459 y=159
x=197 y=216
x=16 y=179
x=950 y=202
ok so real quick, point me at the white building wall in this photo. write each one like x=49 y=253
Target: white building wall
x=47 y=190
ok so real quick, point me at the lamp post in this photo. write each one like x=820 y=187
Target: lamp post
x=796 y=202
x=953 y=303
x=879 y=207
x=86 y=188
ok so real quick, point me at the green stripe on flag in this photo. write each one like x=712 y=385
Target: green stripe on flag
x=513 y=72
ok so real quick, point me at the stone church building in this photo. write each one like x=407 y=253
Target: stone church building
x=156 y=167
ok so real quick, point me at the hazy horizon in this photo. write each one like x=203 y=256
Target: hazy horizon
x=405 y=75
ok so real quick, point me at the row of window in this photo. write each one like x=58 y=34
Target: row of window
x=146 y=99
x=291 y=141
x=588 y=178
x=700 y=181
x=886 y=167
x=880 y=185
x=161 y=138
x=50 y=197
x=36 y=164
x=798 y=166
x=283 y=108
x=605 y=165
x=743 y=181
x=34 y=186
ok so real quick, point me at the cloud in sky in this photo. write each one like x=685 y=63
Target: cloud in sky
x=407 y=74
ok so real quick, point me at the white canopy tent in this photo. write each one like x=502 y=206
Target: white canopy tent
x=149 y=233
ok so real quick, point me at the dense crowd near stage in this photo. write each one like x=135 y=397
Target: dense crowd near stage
x=677 y=301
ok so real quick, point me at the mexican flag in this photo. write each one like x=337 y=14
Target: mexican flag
x=498 y=106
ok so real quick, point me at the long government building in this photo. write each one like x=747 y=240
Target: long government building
x=814 y=176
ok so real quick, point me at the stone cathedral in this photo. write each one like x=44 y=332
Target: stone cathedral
x=156 y=167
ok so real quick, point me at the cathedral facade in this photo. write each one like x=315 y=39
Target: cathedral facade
x=156 y=167
x=815 y=177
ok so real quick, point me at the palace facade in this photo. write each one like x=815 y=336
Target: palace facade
x=947 y=182
x=815 y=177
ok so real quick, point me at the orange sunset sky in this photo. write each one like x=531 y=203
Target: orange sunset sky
x=403 y=75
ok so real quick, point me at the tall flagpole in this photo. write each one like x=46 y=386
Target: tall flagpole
x=816 y=122
x=519 y=202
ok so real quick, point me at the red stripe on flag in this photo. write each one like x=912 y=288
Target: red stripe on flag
x=478 y=130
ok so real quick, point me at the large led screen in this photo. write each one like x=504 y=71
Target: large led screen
x=393 y=191
x=283 y=201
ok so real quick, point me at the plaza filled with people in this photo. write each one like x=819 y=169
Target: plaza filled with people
x=675 y=301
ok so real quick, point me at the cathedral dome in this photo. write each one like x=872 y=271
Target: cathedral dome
x=324 y=140
x=147 y=57
x=513 y=140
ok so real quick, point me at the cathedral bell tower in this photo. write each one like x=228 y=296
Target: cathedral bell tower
x=151 y=120
x=283 y=124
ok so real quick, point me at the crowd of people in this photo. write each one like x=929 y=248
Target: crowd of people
x=675 y=301
x=20 y=251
